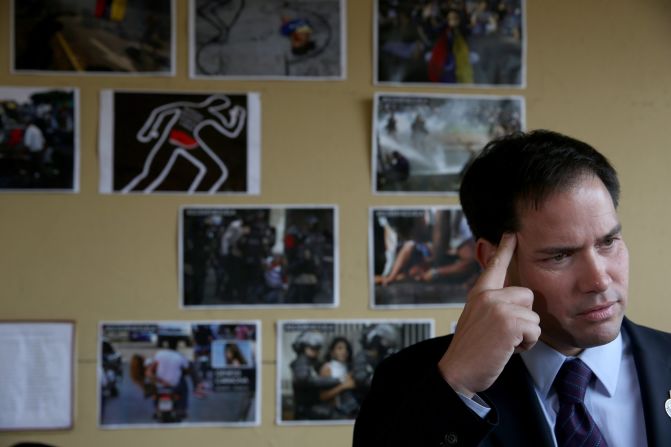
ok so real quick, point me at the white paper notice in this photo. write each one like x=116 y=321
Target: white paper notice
x=36 y=375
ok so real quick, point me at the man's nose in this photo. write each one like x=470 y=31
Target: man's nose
x=594 y=276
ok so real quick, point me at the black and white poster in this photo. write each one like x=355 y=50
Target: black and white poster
x=249 y=256
x=189 y=143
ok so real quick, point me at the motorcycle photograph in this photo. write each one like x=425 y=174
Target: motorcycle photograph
x=167 y=388
x=176 y=373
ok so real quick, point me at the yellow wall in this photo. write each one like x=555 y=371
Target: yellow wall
x=597 y=70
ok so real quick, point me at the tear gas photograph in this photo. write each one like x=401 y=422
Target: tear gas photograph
x=422 y=142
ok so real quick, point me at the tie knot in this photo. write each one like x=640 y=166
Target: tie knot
x=572 y=380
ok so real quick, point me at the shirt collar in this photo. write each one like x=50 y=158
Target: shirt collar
x=543 y=363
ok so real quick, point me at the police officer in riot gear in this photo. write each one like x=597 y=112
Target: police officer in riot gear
x=307 y=383
x=377 y=342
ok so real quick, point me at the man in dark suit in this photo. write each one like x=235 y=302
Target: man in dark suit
x=548 y=310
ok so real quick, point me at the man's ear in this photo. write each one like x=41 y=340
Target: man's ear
x=484 y=250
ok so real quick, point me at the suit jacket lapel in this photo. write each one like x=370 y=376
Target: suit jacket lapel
x=652 y=356
x=521 y=419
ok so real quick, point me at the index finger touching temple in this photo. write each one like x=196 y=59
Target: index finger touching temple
x=494 y=275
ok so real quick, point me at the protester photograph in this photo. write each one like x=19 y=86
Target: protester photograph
x=39 y=139
x=421 y=256
x=454 y=42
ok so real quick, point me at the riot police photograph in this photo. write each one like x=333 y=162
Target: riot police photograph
x=267 y=256
x=325 y=367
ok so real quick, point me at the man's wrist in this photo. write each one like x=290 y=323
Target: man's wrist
x=448 y=376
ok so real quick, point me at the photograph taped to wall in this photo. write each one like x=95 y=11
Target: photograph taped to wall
x=39 y=139
x=421 y=143
x=325 y=367
x=420 y=257
x=189 y=143
x=272 y=39
x=248 y=256
x=450 y=42
x=157 y=374
x=37 y=371
x=110 y=37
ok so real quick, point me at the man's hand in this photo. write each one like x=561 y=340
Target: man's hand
x=496 y=322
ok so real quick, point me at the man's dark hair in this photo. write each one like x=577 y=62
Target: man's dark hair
x=521 y=170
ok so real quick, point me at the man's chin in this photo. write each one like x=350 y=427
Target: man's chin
x=583 y=336
x=599 y=333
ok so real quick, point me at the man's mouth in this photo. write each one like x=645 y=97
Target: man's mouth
x=598 y=313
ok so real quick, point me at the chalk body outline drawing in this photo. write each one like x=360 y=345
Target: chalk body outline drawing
x=184 y=121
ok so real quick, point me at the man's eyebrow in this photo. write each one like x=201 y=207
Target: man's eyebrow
x=617 y=229
x=556 y=250
x=614 y=232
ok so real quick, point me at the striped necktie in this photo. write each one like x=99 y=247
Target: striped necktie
x=574 y=426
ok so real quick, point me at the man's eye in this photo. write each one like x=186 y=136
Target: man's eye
x=609 y=242
x=558 y=257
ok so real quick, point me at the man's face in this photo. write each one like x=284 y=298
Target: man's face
x=571 y=254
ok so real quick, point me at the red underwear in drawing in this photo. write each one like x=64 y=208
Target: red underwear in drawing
x=183 y=139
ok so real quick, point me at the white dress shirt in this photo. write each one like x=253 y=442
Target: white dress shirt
x=613 y=399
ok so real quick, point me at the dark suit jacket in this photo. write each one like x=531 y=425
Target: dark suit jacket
x=410 y=404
